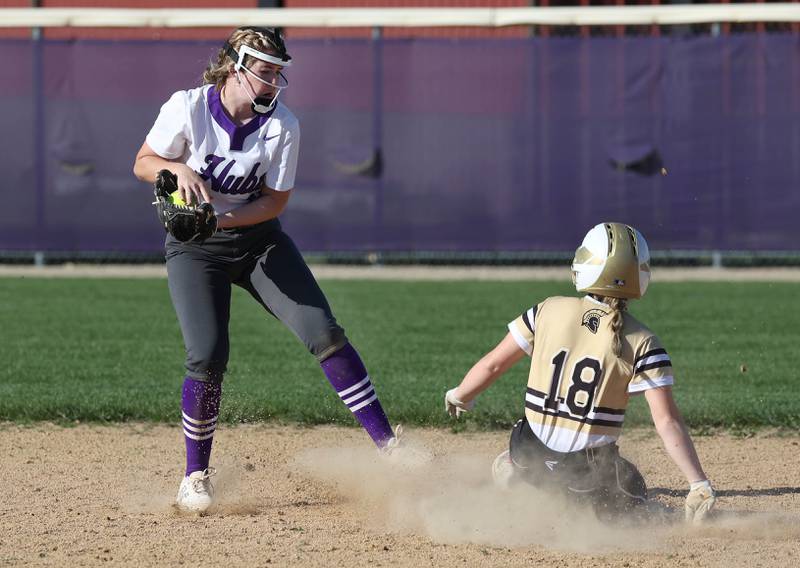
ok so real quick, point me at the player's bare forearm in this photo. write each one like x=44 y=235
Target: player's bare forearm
x=672 y=430
x=479 y=378
x=490 y=367
x=268 y=206
x=146 y=167
x=680 y=448
x=148 y=163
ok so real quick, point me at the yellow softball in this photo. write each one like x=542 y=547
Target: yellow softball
x=175 y=198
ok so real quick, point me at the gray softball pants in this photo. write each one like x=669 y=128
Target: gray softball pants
x=263 y=260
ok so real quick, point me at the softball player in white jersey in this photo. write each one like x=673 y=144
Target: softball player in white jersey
x=588 y=355
x=233 y=144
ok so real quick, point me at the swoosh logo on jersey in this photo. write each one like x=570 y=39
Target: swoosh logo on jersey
x=551 y=464
x=267 y=138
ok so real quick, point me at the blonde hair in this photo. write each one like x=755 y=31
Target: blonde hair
x=219 y=68
x=618 y=306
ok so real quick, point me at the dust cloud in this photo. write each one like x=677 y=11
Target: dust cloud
x=451 y=500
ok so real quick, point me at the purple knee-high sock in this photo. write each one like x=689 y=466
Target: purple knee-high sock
x=348 y=376
x=200 y=409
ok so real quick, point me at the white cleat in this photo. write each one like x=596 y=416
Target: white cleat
x=398 y=452
x=196 y=493
x=503 y=470
x=394 y=443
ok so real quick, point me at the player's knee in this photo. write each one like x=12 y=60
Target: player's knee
x=207 y=361
x=327 y=342
x=630 y=482
x=622 y=491
x=214 y=376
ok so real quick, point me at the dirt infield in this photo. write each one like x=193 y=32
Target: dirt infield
x=413 y=272
x=292 y=496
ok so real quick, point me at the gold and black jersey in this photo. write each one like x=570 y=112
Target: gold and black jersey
x=577 y=388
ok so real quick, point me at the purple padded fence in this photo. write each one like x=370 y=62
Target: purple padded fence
x=483 y=145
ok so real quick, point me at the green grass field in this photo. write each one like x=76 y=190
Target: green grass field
x=111 y=350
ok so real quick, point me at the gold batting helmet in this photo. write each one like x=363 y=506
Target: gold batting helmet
x=613 y=260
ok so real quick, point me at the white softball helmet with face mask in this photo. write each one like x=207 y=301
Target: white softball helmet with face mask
x=613 y=260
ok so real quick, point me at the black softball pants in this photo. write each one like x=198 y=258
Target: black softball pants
x=599 y=477
x=261 y=259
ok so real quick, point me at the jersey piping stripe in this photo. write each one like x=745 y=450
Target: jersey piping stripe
x=655 y=365
x=612 y=419
x=561 y=414
x=651 y=358
x=534 y=392
x=604 y=410
x=527 y=321
x=650 y=353
x=647 y=384
x=529 y=318
x=522 y=343
x=599 y=409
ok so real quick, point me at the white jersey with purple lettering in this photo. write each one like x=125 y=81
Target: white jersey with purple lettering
x=235 y=161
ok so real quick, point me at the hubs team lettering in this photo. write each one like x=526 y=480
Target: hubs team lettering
x=224 y=183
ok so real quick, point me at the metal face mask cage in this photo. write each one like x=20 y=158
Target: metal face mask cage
x=262 y=104
x=244 y=50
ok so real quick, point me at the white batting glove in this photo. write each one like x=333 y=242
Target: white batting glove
x=455 y=407
x=699 y=501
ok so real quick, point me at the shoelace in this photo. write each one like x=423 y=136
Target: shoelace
x=199 y=485
x=395 y=441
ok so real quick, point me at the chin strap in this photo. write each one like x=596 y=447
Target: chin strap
x=260 y=105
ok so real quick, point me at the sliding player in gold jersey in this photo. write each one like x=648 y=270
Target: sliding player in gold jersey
x=588 y=355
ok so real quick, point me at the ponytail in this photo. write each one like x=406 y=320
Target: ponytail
x=618 y=306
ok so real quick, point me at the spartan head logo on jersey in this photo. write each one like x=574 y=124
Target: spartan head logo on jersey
x=591 y=320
